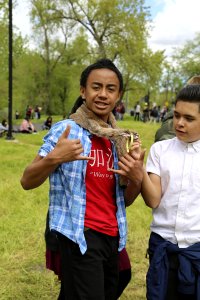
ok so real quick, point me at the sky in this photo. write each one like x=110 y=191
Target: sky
x=174 y=22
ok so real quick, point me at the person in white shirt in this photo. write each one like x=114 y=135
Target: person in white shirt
x=171 y=187
x=137 y=112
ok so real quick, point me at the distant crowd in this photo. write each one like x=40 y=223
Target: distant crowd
x=26 y=125
x=153 y=114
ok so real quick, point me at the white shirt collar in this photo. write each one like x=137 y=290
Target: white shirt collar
x=193 y=145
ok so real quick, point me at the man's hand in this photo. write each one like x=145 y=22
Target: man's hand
x=131 y=164
x=130 y=167
x=67 y=150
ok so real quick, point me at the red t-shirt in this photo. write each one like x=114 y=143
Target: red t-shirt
x=100 y=189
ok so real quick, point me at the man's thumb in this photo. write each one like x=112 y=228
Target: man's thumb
x=66 y=132
x=143 y=154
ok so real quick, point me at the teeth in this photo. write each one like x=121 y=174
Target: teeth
x=101 y=104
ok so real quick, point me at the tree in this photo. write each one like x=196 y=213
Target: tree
x=46 y=26
x=118 y=30
x=187 y=58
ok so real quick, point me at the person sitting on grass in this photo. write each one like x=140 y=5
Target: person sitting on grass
x=3 y=127
x=27 y=126
x=47 y=124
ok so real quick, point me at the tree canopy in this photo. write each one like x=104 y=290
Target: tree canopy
x=68 y=35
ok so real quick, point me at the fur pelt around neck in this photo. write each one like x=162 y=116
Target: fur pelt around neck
x=95 y=125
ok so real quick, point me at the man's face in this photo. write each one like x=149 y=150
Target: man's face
x=101 y=92
x=187 y=121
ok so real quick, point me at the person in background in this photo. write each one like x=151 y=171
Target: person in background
x=36 y=111
x=27 y=126
x=145 y=113
x=87 y=201
x=47 y=124
x=171 y=187
x=29 y=112
x=4 y=123
x=137 y=111
x=153 y=114
x=16 y=115
x=166 y=131
x=120 y=111
x=3 y=127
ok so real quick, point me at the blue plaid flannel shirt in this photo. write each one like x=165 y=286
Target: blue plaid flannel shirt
x=68 y=192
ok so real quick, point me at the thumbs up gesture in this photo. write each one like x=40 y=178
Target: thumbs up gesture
x=67 y=150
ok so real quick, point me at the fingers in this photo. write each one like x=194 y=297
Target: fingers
x=65 y=133
x=81 y=157
x=126 y=159
x=119 y=171
x=143 y=152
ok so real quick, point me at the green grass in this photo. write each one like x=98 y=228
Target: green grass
x=22 y=221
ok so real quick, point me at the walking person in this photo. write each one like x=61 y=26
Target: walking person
x=137 y=112
x=87 y=201
x=171 y=186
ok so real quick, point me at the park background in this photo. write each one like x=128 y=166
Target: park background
x=67 y=36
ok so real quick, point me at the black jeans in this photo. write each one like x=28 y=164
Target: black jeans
x=94 y=275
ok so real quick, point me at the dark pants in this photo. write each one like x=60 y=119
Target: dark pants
x=172 y=293
x=172 y=281
x=94 y=275
x=124 y=279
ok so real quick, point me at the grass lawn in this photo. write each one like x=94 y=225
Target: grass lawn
x=22 y=221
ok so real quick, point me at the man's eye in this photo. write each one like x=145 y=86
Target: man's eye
x=189 y=119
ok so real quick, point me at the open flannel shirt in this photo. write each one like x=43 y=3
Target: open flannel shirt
x=68 y=191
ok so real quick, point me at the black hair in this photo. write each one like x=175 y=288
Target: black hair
x=189 y=93
x=103 y=63
x=79 y=101
x=4 y=122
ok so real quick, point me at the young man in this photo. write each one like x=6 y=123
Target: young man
x=171 y=186
x=87 y=202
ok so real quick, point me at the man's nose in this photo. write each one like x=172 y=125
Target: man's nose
x=180 y=122
x=103 y=93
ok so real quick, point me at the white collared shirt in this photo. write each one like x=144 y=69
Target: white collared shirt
x=177 y=218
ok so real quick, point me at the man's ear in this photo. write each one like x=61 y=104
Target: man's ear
x=82 y=92
x=120 y=95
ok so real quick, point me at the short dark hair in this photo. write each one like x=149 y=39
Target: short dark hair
x=189 y=93
x=104 y=63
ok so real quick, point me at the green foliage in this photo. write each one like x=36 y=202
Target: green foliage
x=22 y=222
x=119 y=30
x=69 y=35
x=188 y=58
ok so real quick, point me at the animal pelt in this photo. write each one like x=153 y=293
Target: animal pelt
x=90 y=121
